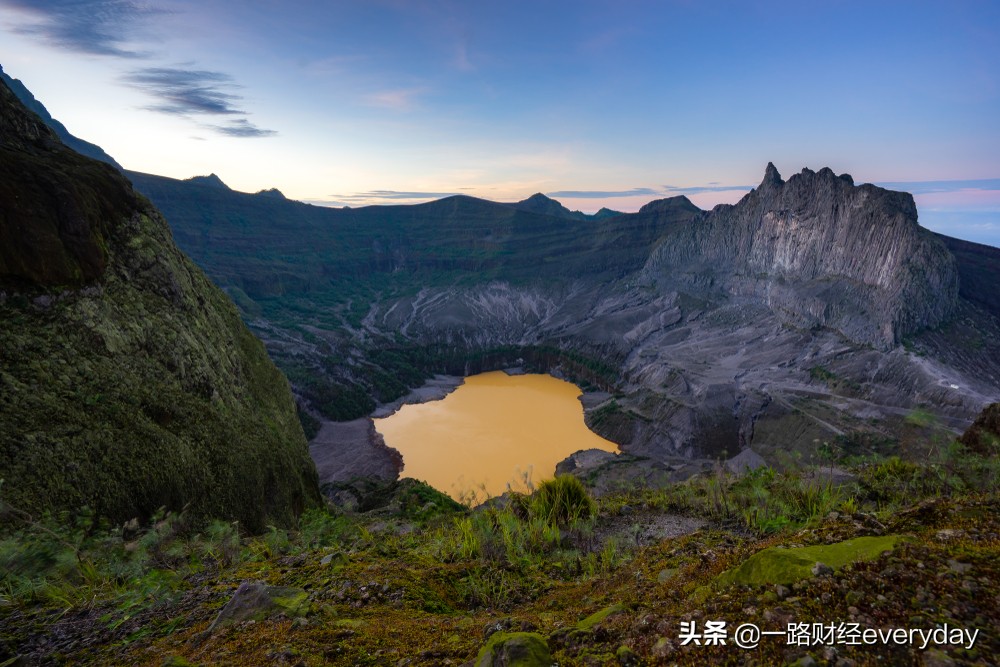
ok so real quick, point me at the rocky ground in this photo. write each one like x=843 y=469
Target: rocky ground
x=397 y=581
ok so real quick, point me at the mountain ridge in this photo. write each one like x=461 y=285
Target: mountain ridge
x=895 y=277
x=79 y=145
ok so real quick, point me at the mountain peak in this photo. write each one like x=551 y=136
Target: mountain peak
x=539 y=203
x=606 y=212
x=210 y=181
x=673 y=204
x=771 y=177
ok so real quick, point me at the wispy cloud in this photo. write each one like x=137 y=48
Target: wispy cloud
x=605 y=40
x=97 y=27
x=390 y=195
x=928 y=187
x=193 y=92
x=242 y=128
x=462 y=61
x=602 y=194
x=672 y=191
x=107 y=28
x=186 y=91
x=398 y=99
x=663 y=191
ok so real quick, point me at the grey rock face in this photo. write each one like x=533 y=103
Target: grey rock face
x=820 y=251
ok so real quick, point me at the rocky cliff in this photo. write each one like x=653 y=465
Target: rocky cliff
x=127 y=380
x=820 y=251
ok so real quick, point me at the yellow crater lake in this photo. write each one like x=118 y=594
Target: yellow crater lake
x=493 y=430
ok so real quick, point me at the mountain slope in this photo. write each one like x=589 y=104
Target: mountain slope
x=79 y=145
x=127 y=380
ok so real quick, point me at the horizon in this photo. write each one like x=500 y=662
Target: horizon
x=592 y=105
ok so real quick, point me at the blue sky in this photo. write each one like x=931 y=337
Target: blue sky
x=595 y=103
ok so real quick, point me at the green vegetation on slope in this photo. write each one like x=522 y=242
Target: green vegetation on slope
x=127 y=380
x=418 y=579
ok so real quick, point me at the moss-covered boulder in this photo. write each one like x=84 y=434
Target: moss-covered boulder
x=598 y=617
x=514 y=649
x=257 y=601
x=786 y=566
x=128 y=381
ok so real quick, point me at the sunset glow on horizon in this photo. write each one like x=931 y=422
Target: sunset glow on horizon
x=594 y=104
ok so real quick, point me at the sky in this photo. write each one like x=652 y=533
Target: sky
x=596 y=104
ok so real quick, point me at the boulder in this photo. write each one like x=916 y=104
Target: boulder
x=257 y=601
x=514 y=649
x=786 y=566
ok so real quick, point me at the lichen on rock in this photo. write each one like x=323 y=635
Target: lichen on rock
x=787 y=566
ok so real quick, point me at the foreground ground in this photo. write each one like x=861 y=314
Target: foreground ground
x=409 y=578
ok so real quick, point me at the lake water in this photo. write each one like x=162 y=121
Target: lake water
x=493 y=430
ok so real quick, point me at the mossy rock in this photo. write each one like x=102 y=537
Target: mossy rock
x=596 y=618
x=175 y=661
x=257 y=601
x=786 y=566
x=627 y=657
x=514 y=649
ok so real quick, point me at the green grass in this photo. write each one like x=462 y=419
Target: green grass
x=415 y=563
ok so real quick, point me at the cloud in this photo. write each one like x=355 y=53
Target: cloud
x=927 y=187
x=391 y=195
x=105 y=28
x=664 y=191
x=670 y=190
x=462 y=62
x=192 y=92
x=601 y=194
x=399 y=99
x=97 y=27
x=914 y=187
x=242 y=128
x=183 y=91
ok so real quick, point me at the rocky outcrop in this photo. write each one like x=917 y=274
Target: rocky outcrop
x=983 y=437
x=127 y=380
x=820 y=252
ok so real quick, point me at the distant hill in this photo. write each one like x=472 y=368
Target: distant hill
x=539 y=203
x=127 y=380
x=302 y=249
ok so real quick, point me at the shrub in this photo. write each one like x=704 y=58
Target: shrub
x=562 y=501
